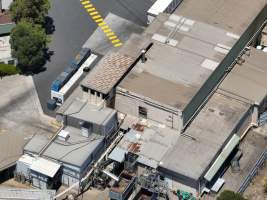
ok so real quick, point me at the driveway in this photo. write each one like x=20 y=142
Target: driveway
x=73 y=27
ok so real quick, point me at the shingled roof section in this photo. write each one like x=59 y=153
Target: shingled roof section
x=108 y=72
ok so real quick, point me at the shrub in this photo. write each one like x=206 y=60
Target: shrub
x=6 y=69
x=230 y=195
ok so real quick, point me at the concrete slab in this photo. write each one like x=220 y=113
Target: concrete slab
x=123 y=28
x=20 y=117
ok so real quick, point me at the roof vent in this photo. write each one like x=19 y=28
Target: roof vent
x=63 y=135
x=143 y=56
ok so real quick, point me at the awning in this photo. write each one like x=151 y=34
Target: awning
x=45 y=167
x=222 y=157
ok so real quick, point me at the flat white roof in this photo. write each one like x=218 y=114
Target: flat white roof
x=159 y=6
x=27 y=159
x=45 y=167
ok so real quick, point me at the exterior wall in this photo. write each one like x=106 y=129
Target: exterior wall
x=245 y=122
x=23 y=169
x=128 y=104
x=110 y=125
x=8 y=60
x=172 y=177
x=39 y=180
x=104 y=129
x=70 y=175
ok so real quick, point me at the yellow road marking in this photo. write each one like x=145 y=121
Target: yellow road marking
x=85 y=2
x=97 y=16
x=113 y=37
x=99 y=20
x=117 y=45
x=102 y=23
x=104 y=27
x=109 y=34
x=107 y=30
x=88 y=6
x=115 y=41
x=92 y=11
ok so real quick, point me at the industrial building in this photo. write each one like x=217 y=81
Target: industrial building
x=187 y=60
x=181 y=88
x=193 y=79
x=84 y=136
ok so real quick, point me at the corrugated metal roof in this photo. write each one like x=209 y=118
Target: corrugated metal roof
x=30 y=194
x=222 y=157
x=107 y=72
x=45 y=167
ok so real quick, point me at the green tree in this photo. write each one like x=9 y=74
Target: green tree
x=28 y=43
x=230 y=195
x=32 y=10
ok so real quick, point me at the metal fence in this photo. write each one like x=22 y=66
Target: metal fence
x=253 y=171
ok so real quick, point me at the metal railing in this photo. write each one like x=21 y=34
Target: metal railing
x=253 y=172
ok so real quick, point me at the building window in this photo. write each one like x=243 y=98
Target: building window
x=142 y=112
x=92 y=92
x=85 y=89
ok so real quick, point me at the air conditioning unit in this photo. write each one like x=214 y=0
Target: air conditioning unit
x=63 y=135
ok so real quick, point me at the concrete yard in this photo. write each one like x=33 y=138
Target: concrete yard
x=20 y=117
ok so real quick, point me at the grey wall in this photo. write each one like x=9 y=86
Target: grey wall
x=127 y=104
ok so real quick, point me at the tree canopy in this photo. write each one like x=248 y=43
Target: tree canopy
x=230 y=195
x=28 y=43
x=32 y=10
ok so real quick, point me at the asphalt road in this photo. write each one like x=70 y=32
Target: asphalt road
x=73 y=27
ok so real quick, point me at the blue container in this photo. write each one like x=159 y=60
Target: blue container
x=75 y=64
x=81 y=57
x=51 y=104
x=56 y=85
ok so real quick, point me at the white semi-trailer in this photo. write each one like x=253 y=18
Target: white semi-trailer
x=61 y=95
